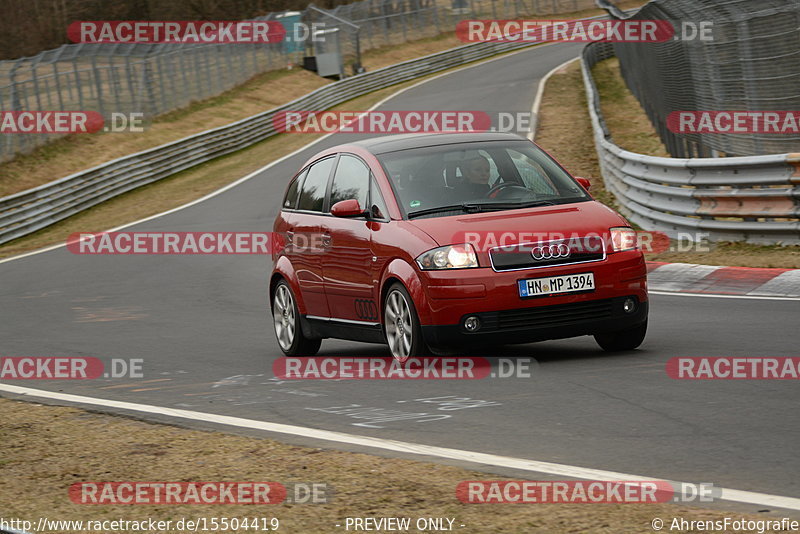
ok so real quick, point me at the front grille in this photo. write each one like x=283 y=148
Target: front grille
x=524 y=255
x=547 y=316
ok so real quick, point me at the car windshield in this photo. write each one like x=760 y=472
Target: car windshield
x=477 y=176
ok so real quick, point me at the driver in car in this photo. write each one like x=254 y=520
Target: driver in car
x=475 y=177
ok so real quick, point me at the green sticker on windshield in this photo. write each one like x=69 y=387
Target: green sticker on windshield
x=414 y=203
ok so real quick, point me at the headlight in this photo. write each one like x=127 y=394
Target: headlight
x=623 y=238
x=449 y=257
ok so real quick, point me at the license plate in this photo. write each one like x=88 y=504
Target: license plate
x=552 y=285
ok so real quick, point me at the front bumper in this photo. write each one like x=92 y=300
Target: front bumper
x=493 y=297
x=524 y=325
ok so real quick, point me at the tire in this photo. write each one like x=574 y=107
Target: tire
x=401 y=325
x=286 y=320
x=622 y=340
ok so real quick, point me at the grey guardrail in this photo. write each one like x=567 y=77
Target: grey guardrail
x=28 y=211
x=613 y=10
x=754 y=198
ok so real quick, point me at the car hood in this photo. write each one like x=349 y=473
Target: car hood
x=543 y=223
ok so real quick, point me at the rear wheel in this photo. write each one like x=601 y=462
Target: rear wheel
x=401 y=325
x=622 y=340
x=286 y=318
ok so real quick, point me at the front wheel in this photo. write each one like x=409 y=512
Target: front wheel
x=401 y=325
x=622 y=340
x=286 y=318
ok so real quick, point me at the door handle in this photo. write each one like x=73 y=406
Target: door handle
x=326 y=240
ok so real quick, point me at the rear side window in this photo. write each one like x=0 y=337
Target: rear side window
x=350 y=181
x=312 y=195
x=290 y=200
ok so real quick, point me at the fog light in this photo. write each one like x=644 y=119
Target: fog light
x=471 y=324
x=629 y=306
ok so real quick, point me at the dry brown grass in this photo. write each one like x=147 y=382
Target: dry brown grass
x=626 y=120
x=46 y=449
x=738 y=254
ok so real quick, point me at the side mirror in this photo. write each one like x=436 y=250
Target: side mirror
x=584 y=182
x=347 y=208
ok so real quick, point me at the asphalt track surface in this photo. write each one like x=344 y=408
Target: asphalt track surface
x=203 y=327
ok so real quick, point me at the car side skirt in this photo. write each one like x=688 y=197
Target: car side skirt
x=327 y=327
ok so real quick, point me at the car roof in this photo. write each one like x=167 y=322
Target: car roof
x=392 y=143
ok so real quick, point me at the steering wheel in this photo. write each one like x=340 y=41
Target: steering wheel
x=497 y=189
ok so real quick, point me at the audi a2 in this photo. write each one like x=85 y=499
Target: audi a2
x=434 y=241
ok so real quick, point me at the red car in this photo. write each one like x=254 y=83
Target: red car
x=430 y=242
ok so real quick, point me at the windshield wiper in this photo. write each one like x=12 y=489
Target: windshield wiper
x=465 y=207
x=495 y=206
x=472 y=207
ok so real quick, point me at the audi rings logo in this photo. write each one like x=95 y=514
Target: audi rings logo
x=550 y=252
x=366 y=310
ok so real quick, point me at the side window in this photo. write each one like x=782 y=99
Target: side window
x=350 y=181
x=290 y=200
x=312 y=196
x=378 y=209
